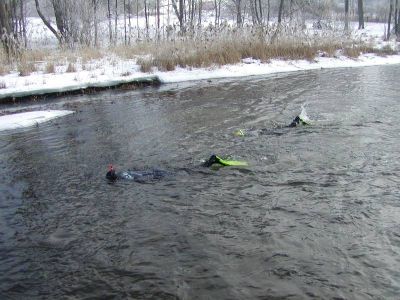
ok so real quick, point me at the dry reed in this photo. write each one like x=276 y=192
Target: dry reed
x=71 y=68
x=25 y=68
x=212 y=46
x=50 y=68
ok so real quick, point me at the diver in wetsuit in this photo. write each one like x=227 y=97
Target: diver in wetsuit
x=298 y=121
x=138 y=176
x=157 y=174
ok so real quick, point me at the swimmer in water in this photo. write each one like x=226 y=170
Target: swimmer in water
x=298 y=121
x=157 y=174
x=138 y=176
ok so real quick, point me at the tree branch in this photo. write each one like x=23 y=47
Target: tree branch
x=47 y=23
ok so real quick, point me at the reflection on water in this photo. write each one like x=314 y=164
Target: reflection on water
x=315 y=215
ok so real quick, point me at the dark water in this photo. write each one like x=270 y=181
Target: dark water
x=315 y=215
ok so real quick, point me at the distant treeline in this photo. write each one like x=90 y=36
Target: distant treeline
x=97 y=23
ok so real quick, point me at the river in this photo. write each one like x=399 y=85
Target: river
x=315 y=215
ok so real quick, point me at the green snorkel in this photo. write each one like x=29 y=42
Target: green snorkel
x=214 y=159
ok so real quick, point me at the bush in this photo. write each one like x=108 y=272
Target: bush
x=145 y=64
x=3 y=70
x=26 y=68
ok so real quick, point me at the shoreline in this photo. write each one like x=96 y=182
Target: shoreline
x=62 y=85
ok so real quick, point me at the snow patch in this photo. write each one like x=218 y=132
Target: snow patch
x=27 y=119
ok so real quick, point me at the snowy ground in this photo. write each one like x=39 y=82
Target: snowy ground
x=28 y=119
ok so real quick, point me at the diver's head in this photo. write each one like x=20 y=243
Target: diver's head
x=212 y=160
x=295 y=122
x=111 y=173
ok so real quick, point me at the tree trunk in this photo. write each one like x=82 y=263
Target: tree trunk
x=200 y=12
x=109 y=21
x=96 y=29
x=5 y=25
x=253 y=17
x=158 y=18
x=238 y=12
x=389 y=19
x=147 y=19
x=47 y=23
x=129 y=22
x=346 y=15
x=23 y=19
x=125 y=37
x=116 y=22
x=216 y=13
x=361 y=14
x=179 y=13
x=158 y=14
x=61 y=22
x=398 y=23
x=396 y=19
x=280 y=12
x=137 y=19
x=181 y=8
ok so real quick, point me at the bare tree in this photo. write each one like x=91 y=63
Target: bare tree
x=23 y=23
x=361 y=14
x=346 y=15
x=48 y=25
x=254 y=11
x=239 y=18
x=200 y=7
x=95 y=8
x=260 y=14
x=217 y=11
x=125 y=31
x=280 y=11
x=7 y=34
x=158 y=17
x=390 y=19
x=146 y=15
x=179 y=12
x=129 y=22
x=116 y=22
x=74 y=21
x=396 y=18
x=109 y=20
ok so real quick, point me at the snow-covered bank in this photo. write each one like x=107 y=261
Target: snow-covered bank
x=54 y=76
x=31 y=118
x=15 y=86
x=251 y=67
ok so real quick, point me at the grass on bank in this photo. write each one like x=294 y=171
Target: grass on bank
x=231 y=48
x=228 y=47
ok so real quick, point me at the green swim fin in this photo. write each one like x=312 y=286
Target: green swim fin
x=226 y=162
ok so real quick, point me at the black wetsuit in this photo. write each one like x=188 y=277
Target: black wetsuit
x=138 y=176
